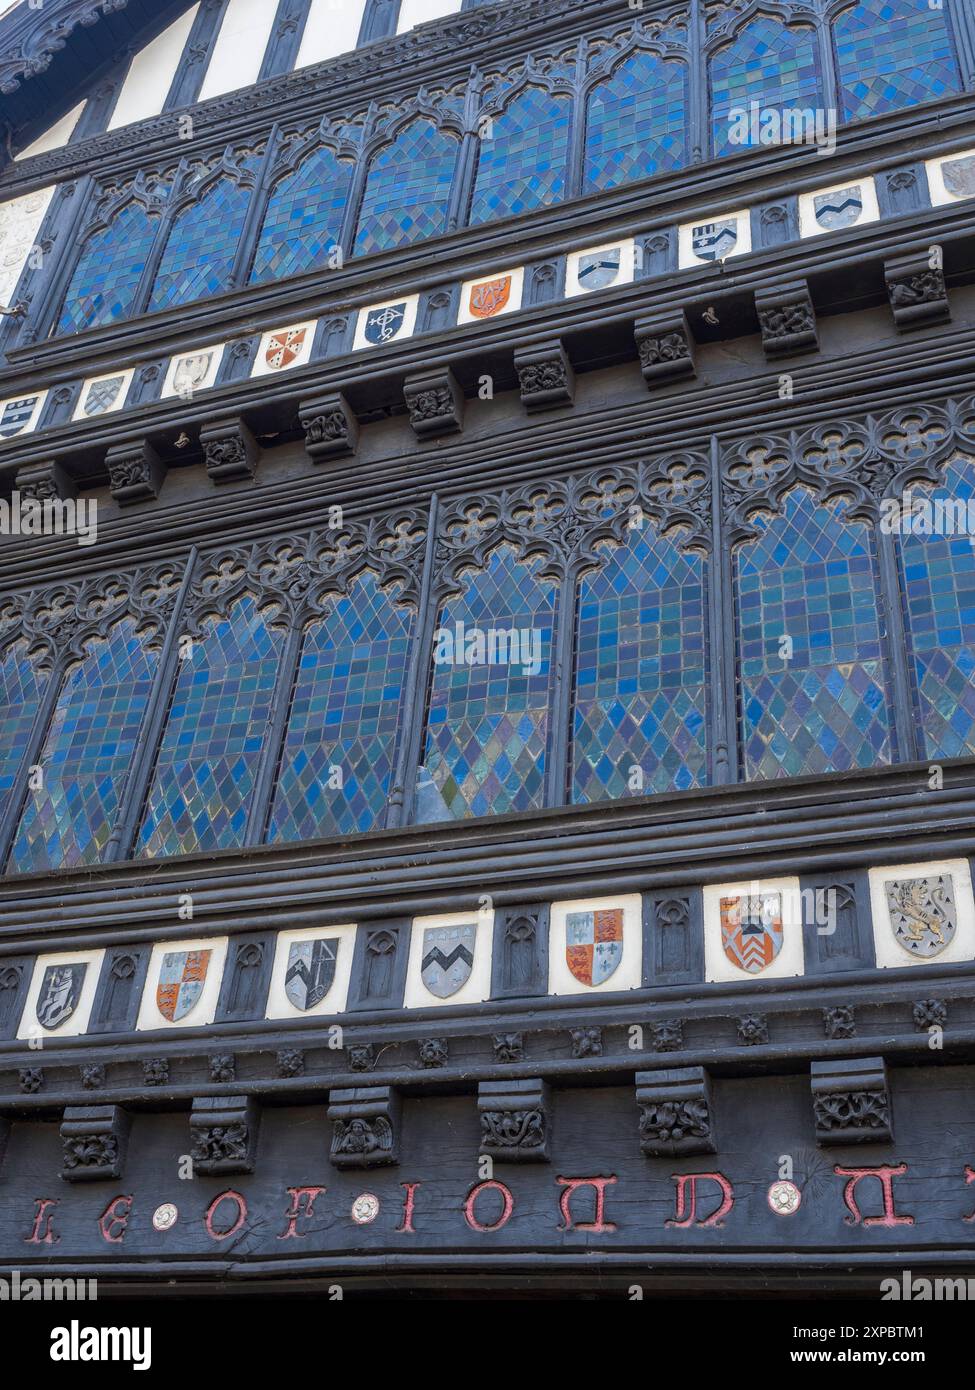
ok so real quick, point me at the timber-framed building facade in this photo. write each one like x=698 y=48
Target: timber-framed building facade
x=488 y=763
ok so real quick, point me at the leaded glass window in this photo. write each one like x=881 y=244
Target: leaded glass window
x=106 y=278
x=891 y=54
x=522 y=157
x=767 y=63
x=812 y=693
x=21 y=689
x=344 y=715
x=407 y=193
x=303 y=220
x=636 y=122
x=202 y=245
x=93 y=735
x=640 y=672
x=938 y=560
x=488 y=716
x=203 y=782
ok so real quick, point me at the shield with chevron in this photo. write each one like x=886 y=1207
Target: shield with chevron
x=751 y=930
x=840 y=208
x=448 y=957
x=311 y=970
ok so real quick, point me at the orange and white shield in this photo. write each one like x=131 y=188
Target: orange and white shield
x=489 y=297
x=284 y=347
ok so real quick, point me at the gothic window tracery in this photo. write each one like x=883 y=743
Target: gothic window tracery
x=407 y=191
x=812 y=687
x=303 y=220
x=106 y=279
x=636 y=121
x=891 y=54
x=768 y=63
x=522 y=155
x=201 y=247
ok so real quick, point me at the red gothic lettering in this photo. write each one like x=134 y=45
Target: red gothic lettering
x=295 y=1210
x=885 y=1176
x=408 y=1203
x=43 y=1215
x=229 y=1196
x=506 y=1210
x=110 y=1219
x=969 y=1177
x=565 y=1200
x=686 y=1213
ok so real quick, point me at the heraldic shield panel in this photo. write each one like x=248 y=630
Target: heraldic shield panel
x=61 y=993
x=450 y=959
x=181 y=980
x=310 y=972
x=182 y=983
x=923 y=913
x=753 y=929
x=595 y=944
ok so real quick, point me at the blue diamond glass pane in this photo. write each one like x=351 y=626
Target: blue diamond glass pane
x=488 y=716
x=407 y=193
x=21 y=689
x=343 y=718
x=303 y=220
x=201 y=248
x=86 y=755
x=640 y=673
x=217 y=722
x=636 y=122
x=106 y=278
x=891 y=54
x=939 y=583
x=768 y=64
x=522 y=157
x=816 y=702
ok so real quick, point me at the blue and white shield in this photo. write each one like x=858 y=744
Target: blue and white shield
x=59 y=993
x=383 y=325
x=15 y=415
x=712 y=241
x=448 y=957
x=959 y=176
x=841 y=208
x=597 y=269
x=101 y=396
x=310 y=972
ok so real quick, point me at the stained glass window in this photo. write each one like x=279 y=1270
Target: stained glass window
x=771 y=65
x=303 y=220
x=204 y=778
x=407 y=193
x=201 y=246
x=86 y=755
x=106 y=278
x=522 y=157
x=640 y=672
x=488 y=715
x=344 y=715
x=636 y=122
x=812 y=695
x=21 y=689
x=939 y=580
x=891 y=54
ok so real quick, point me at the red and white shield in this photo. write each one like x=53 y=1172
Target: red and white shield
x=283 y=348
x=489 y=297
x=751 y=930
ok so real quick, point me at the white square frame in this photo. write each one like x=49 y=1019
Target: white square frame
x=335 y=1001
x=76 y=1023
x=685 y=234
x=940 y=195
x=515 y=298
x=892 y=956
x=627 y=274
x=477 y=988
x=809 y=227
x=790 y=961
x=627 y=975
x=205 y=1008
x=126 y=374
x=412 y=303
x=216 y=348
x=261 y=368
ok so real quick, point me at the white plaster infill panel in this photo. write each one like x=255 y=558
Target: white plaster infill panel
x=595 y=945
x=774 y=950
x=342 y=938
x=913 y=938
x=204 y=1006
